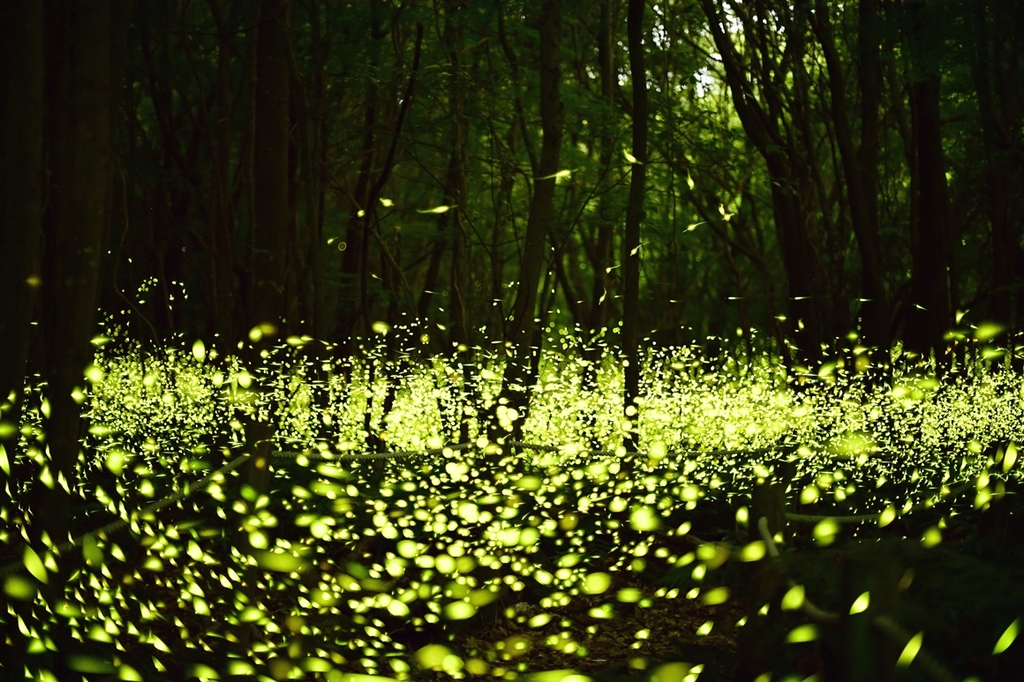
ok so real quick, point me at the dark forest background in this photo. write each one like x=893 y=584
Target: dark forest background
x=480 y=171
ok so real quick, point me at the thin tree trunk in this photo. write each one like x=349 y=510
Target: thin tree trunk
x=223 y=313
x=634 y=217
x=22 y=74
x=800 y=259
x=928 y=315
x=519 y=379
x=861 y=182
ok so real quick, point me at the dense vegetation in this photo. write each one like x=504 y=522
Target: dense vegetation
x=464 y=324
x=487 y=559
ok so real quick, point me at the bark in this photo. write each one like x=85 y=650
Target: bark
x=600 y=254
x=634 y=217
x=270 y=167
x=85 y=46
x=22 y=72
x=928 y=315
x=999 y=113
x=859 y=163
x=809 y=324
x=223 y=214
x=519 y=377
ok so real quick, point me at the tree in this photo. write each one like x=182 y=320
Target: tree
x=860 y=161
x=928 y=315
x=519 y=376
x=759 y=103
x=22 y=70
x=85 y=51
x=634 y=217
x=995 y=67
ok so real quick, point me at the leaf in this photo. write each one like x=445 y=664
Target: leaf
x=689 y=181
x=435 y=210
x=630 y=158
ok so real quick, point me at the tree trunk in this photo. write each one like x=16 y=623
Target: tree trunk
x=22 y=73
x=223 y=312
x=85 y=54
x=928 y=315
x=859 y=165
x=270 y=167
x=634 y=217
x=991 y=69
x=519 y=379
x=807 y=287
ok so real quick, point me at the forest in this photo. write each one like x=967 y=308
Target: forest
x=517 y=189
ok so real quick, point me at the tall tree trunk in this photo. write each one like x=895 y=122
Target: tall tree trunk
x=22 y=72
x=928 y=315
x=459 y=281
x=85 y=46
x=270 y=166
x=271 y=208
x=519 y=379
x=601 y=258
x=267 y=304
x=859 y=165
x=223 y=313
x=634 y=217
x=990 y=69
x=807 y=298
